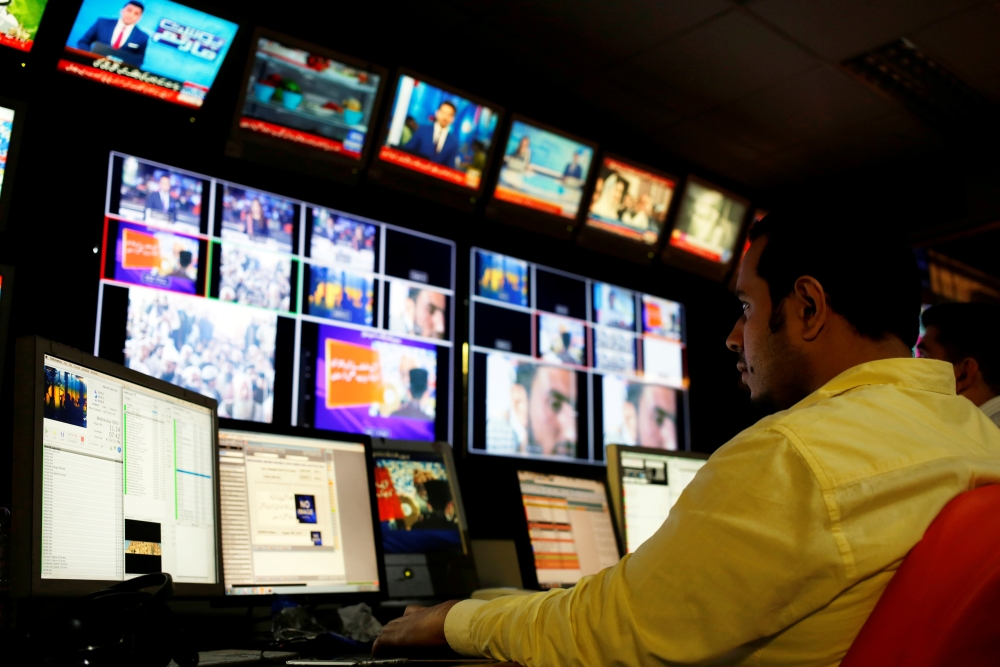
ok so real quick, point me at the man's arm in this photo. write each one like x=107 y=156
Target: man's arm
x=745 y=553
x=88 y=38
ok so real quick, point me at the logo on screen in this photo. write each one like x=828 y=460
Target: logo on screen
x=199 y=43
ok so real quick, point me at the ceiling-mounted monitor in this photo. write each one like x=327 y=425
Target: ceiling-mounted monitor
x=627 y=209
x=306 y=107
x=542 y=178
x=158 y=48
x=437 y=141
x=11 y=124
x=707 y=229
x=19 y=21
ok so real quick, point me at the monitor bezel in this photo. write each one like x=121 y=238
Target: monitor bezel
x=617 y=489
x=414 y=182
x=235 y=425
x=687 y=261
x=533 y=219
x=13 y=153
x=522 y=539
x=621 y=246
x=244 y=144
x=29 y=378
x=6 y=292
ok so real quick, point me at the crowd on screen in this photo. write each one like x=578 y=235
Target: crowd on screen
x=248 y=279
x=182 y=343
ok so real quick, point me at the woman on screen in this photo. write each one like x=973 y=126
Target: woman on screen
x=520 y=159
x=257 y=223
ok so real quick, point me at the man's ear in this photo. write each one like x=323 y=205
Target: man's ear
x=810 y=307
x=966 y=372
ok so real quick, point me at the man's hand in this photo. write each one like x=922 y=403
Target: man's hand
x=419 y=630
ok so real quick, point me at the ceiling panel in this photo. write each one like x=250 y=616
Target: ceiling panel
x=839 y=29
x=720 y=60
x=969 y=45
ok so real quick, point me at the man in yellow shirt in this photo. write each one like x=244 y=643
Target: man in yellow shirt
x=780 y=547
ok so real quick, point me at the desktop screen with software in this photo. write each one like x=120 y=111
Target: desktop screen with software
x=128 y=480
x=296 y=515
x=569 y=525
x=647 y=485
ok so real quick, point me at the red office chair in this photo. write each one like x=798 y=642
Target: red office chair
x=943 y=605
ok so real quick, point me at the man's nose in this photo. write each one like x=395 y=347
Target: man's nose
x=735 y=339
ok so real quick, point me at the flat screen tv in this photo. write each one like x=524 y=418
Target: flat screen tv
x=19 y=21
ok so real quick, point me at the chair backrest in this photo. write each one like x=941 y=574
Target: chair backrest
x=943 y=605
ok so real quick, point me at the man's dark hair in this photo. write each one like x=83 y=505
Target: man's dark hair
x=142 y=7
x=870 y=278
x=969 y=330
x=449 y=104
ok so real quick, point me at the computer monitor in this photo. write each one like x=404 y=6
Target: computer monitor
x=115 y=476
x=542 y=178
x=306 y=107
x=569 y=526
x=708 y=228
x=422 y=521
x=437 y=141
x=20 y=24
x=645 y=483
x=298 y=513
x=158 y=48
x=11 y=123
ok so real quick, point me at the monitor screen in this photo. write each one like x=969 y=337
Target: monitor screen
x=340 y=239
x=157 y=195
x=296 y=515
x=213 y=348
x=630 y=202
x=439 y=133
x=129 y=480
x=306 y=97
x=6 y=129
x=651 y=484
x=154 y=257
x=561 y=365
x=708 y=222
x=543 y=170
x=158 y=48
x=416 y=503
x=251 y=216
x=376 y=383
x=569 y=524
x=19 y=23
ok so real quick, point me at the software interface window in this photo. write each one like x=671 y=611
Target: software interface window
x=296 y=515
x=569 y=524
x=127 y=480
x=651 y=485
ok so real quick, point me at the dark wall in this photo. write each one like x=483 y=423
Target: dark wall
x=56 y=218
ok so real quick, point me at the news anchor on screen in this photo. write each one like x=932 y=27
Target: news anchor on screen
x=119 y=37
x=436 y=142
x=160 y=203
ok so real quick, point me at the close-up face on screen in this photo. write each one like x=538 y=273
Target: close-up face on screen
x=630 y=202
x=708 y=223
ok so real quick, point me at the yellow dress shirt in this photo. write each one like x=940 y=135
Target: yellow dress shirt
x=779 y=548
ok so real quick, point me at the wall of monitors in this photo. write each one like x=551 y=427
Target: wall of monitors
x=281 y=310
x=561 y=366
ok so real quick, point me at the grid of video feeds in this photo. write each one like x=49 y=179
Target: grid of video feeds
x=281 y=310
x=562 y=366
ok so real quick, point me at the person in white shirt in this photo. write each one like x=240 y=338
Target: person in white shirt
x=964 y=334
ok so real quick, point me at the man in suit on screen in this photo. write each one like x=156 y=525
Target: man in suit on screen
x=437 y=142
x=119 y=37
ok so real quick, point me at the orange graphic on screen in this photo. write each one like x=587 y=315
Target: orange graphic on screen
x=353 y=375
x=139 y=251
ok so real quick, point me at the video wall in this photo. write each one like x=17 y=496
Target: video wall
x=279 y=309
x=561 y=365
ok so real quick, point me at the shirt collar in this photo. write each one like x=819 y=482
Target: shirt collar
x=991 y=407
x=915 y=373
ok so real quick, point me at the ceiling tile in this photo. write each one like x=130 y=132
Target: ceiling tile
x=969 y=45
x=721 y=60
x=839 y=29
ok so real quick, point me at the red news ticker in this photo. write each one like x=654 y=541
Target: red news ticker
x=679 y=240
x=504 y=194
x=295 y=136
x=124 y=82
x=20 y=45
x=423 y=166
